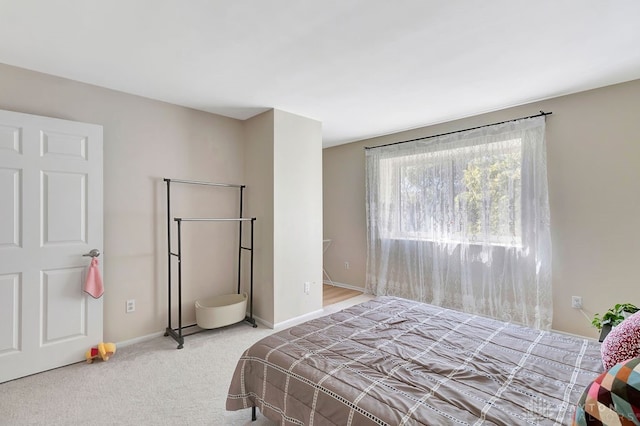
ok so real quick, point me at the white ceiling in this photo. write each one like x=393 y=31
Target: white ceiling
x=361 y=67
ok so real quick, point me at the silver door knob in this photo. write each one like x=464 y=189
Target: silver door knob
x=93 y=253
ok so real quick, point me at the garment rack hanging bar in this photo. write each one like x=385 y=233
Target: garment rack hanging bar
x=206 y=219
x=198 y=182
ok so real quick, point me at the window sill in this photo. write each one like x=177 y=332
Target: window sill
x=454 y=242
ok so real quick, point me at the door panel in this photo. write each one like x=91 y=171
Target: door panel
x=64 y=207
x=50 y=215
x=9 y=326
x=63 y=314
x=61 y=145
x=10 y=208
x=9 y=138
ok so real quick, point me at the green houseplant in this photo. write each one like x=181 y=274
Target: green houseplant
x=613 y=317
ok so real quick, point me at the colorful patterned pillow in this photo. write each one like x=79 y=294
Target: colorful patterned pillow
x=613 y=398
x=622 y=342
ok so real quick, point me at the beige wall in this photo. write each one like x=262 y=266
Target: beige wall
x=144 y=141
x=298 y=215
x=258 y=134
x=147 y=140
x=284 y=167
x=594 y=169
x=593 y=151
x=344 y=213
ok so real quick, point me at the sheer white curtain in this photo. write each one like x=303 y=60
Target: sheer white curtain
x=462 y=221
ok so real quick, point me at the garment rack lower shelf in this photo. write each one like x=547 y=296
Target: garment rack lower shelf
x=219 y=311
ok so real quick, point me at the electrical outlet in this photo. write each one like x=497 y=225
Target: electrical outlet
x=576 y=302
x=346 y=265
x=307 y=287
x=131 y=305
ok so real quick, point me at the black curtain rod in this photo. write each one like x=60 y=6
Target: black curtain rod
x=542 y=114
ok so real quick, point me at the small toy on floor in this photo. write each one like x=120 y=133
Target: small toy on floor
x=103 y=351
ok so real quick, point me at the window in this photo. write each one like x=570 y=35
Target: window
x=462 y=220
x=461 y=194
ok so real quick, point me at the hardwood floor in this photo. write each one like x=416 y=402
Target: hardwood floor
x=333 y=294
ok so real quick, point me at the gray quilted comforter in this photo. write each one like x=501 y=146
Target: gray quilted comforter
x=392 y=361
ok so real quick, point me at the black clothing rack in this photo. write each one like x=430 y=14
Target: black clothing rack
x=177 y=333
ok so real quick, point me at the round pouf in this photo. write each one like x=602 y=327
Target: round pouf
x=613 y=398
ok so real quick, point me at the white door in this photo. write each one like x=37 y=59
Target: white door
x=50 y=215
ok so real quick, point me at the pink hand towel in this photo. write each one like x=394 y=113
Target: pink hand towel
x=93 y=284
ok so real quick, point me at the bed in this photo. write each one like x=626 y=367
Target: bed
x=391 y=361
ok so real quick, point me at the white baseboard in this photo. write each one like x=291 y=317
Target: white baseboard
x=310 y=315
x=298 y=319
x=282 y=324
x=343 y=285
x=291 y=321
x=263 y=322
x=139 y=339
x=579 y=336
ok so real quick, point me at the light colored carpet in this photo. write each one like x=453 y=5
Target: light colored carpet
x=146 y=383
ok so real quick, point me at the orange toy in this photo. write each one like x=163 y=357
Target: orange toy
x=103 y=350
